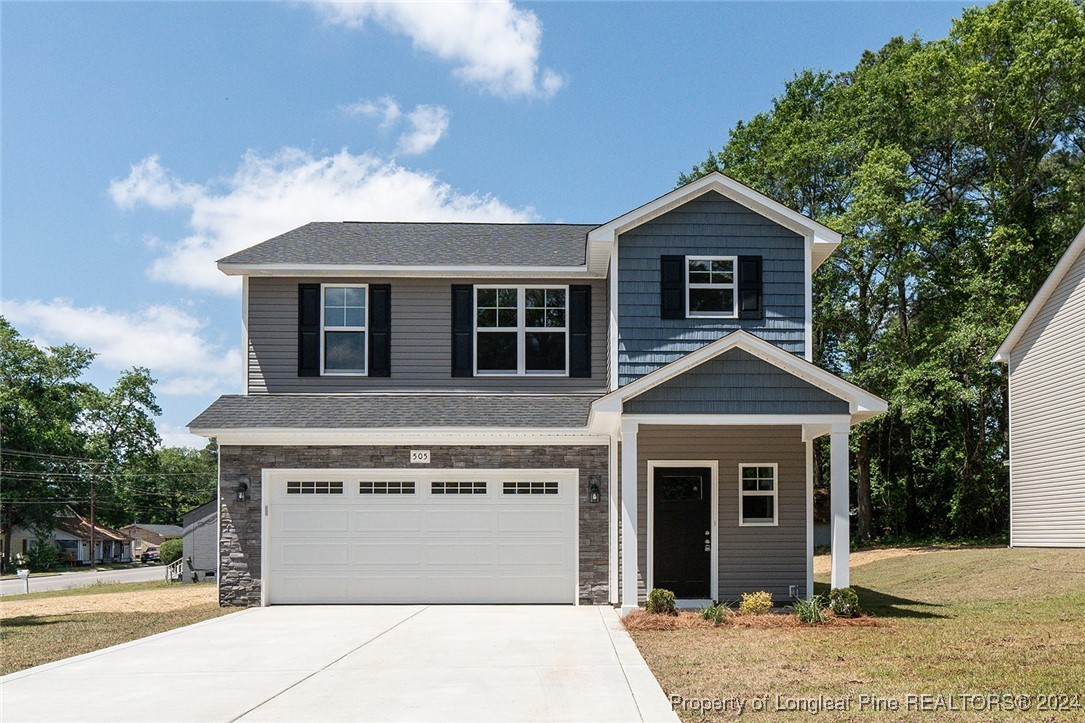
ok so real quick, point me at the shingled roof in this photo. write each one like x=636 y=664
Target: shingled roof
x=390 y=411
x=421 y=244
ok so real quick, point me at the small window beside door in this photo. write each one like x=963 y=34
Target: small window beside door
x=757 y=494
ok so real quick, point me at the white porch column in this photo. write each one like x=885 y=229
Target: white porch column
x=838 y=502
x=630 y=547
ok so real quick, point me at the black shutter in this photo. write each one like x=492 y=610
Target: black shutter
x=308 y=330
x=463 y=343
x=672 y=287
x=749 y=288
x=580 y=331
x=380 y=330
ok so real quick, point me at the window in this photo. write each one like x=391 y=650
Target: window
x=757 y=494
x=458 y=488
x=710 y=286
x=386 y=488
x=530 y=488
x=343 y=329
x=521 y=330
x=310 y=487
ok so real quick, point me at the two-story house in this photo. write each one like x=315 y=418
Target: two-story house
x=532 y=413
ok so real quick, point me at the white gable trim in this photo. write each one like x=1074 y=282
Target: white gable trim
x=862 y=404
x=1077 y=246
x=820 y=238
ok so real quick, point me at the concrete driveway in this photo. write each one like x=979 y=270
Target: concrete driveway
x=374 y=663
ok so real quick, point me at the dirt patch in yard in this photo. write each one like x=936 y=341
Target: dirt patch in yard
x=859 y=558
x=161 y=600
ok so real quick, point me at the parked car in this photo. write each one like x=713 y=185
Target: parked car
x=149 y=555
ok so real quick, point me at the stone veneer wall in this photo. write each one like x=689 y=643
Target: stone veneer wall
x=239 y=548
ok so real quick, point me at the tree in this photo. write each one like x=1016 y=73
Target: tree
x=39 y=432
x=954 y=171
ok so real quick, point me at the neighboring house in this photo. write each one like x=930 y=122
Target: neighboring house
x=200 y=541
x=72 y=537
x=1045 y=352
x=532 y=413
x=146 y=535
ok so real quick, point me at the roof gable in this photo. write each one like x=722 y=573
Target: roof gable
x=862 y=405
x=821 y=239
x=1077 y=246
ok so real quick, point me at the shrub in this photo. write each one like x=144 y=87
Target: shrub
x=43 y=556
x=660 y=602
x=810 y=611
x=715 y=613
x=844 y=602
x=755 y=603
x=170 y=551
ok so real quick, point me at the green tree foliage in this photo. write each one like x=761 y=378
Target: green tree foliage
x=60 y=435
x=954 y=170
x=170 y=551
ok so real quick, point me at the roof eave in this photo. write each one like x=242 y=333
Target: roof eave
x=393 y=270
x=1002 y=355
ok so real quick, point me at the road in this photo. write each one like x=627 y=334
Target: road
x=68 y=580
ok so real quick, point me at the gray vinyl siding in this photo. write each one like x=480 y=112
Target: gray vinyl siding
x=421 y=340
x=707 y=225
x=736 y=382
x=1047 y=421
x=751 y=558
x=200 y=545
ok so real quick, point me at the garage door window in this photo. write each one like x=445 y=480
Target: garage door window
x=386 y=488
x=476 y=487
x=313 y=487
x=530 y=488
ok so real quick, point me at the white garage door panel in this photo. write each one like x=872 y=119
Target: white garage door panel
x=311 y=520
x=368 y=546
x=387 y=520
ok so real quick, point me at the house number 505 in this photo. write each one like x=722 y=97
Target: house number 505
x=419 y=456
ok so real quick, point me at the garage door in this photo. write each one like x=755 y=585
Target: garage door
x=434 y=536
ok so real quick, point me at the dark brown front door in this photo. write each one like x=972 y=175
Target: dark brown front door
x=682 y=531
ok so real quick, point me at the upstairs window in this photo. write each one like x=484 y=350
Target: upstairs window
x=710 y=286
x=521 y=330
x=343 y=329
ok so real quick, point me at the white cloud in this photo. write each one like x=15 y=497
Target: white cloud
x=384 y=108
x=174 y=436
x=493 y=44
x=269 y=195
x=427 y=124
x=164 y=339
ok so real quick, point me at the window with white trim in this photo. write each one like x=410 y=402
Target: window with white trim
x=343 y=329
x=710 y=286
x=521 y=330
x=757 y=494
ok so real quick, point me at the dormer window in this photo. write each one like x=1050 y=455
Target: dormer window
x=710 y=286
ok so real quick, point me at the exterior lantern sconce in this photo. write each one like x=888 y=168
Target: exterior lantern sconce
x=242 y=489
x=593 y=493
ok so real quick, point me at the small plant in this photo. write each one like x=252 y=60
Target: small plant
x=844 y=602
x=715 y=613
x=755 y=603
x=810 y=611
x=170 y=551
x=660 y=602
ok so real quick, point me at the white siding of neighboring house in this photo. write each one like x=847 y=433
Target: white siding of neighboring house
x=1047 y=421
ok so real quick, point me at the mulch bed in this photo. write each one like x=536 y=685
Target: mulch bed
x=640 y=620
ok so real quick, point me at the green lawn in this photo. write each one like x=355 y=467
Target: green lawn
x=951 y=622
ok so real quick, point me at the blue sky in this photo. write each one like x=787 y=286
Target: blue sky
x=141 y=141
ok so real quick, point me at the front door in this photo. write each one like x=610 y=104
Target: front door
x=682 y=531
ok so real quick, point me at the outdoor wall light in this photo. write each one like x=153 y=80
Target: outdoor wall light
x=242 y=489
x=593 y=493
